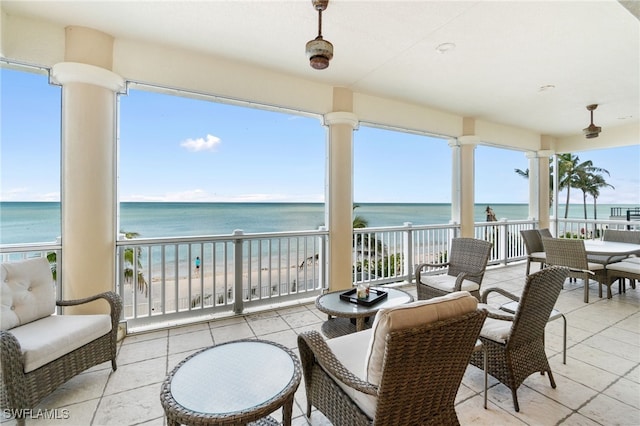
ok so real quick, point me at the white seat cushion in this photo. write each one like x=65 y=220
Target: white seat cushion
x=411 y=315
x=351 y=350
x=496 y=329
x=632 y=260
x=28 y=292
x=629 y=267
x=49 y=338
x=595 y=266
x=538 y=255
x=447 y=282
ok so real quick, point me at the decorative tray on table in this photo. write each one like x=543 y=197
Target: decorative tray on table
x=372 y=298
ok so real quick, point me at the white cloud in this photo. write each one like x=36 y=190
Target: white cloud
x=201 y=144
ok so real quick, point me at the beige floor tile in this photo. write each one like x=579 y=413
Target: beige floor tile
x=300 y=319
x=288 y=338
x=142 y=350
x=235 y=331
x=616 y=347
x=73 y=414
x=203 y=326
x=189 y=342
x=268 y=324
x=130 y=407
x=136 y=375
x=535 y=408
x=583 y=373
x=608 y=411
x=577 y=419
x=472 y=412
x=603 y=360
x=83 y=387
x=567 y=392
x=625 y=391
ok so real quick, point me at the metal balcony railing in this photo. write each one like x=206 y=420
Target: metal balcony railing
x=161 y=286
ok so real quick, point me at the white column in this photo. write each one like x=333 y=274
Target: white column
x=339 y=197
x=534 y=185
x=456 y=187
x=88 y=196
x=467 y=184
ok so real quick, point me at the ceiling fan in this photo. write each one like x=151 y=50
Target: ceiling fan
x=592 y=131
x=319 y=51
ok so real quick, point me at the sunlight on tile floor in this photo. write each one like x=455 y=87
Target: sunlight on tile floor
x=599 y=385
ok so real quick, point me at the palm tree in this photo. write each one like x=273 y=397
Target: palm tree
x=129 y=259
x=572 y=174
x=597 y=181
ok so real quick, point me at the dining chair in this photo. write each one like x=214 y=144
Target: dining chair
x=534 y=248
x=515 y=343
x=545 y=232
x=405 y=370
x=572 y=254
x=466 y=264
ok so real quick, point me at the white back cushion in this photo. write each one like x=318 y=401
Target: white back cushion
x=28 y=292
x=408 y=316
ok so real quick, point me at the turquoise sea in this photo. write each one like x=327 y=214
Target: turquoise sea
x=35 y=222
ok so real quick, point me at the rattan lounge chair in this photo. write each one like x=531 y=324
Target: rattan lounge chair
x=405 y=370
x=40 y=350
x=467 y=262
x=533 y=245
x=515 y=343
x=572 y=254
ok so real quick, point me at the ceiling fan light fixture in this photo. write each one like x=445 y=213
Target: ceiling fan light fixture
x=592 y=131
x=319 y=51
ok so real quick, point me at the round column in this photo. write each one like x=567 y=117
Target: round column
x=88 y=196
x=339 y=198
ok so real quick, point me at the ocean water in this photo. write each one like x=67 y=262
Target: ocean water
x=34 y=222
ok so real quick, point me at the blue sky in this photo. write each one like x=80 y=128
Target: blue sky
x=180 y=149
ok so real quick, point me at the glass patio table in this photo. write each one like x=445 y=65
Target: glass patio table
x=238 y=382
x=351 y=317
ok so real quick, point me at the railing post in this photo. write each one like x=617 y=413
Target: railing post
x=407 y=252
x=322 y=258
x=238 y=302
x=504 y=241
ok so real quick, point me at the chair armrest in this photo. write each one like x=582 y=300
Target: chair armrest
x=463 y=275
x=498 y=315
x=115 y=303
x=433 y=265
x=313 y=348
x=502 y=291
x=583 y=271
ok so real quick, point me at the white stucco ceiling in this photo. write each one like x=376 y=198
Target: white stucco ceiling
x=589 y=51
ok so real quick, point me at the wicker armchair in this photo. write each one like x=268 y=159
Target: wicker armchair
x=533 y=245
x=515 y=343
x=418 y=360
x=40 y=350
x=467 y=262
x=572 y=254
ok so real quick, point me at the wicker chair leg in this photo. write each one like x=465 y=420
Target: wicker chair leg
x=114 y=366
x=515 y=400
x=528 y=266
x=551 y=381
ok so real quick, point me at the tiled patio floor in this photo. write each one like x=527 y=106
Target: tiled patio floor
x=599 y=385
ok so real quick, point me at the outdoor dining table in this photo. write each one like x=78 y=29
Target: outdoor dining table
x=610 y=248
